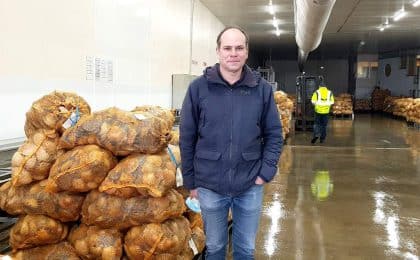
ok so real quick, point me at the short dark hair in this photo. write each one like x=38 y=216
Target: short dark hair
x=218 y=41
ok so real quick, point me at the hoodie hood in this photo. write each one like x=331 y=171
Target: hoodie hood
x=249 y=78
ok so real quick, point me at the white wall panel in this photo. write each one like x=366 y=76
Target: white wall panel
x=205 y=30
x=398 y=82
x=44 y=45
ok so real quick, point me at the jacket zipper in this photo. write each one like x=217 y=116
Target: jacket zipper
x=231 y=140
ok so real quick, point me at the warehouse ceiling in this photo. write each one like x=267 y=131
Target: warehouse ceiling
x=353 y=26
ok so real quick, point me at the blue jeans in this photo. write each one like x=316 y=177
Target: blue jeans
x=320 y=126
x=246 y=211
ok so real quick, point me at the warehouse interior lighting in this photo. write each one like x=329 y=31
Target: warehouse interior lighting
x=271 y=7
x=399 y=14
x=277 y=32
x=416 y=3
x=381 y=28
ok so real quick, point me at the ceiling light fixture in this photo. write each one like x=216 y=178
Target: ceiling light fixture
x=277 y=32
x=416 y=3
x=381 y=28
x=271 y=7
x=399 y=14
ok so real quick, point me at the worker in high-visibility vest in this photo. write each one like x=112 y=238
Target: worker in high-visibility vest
x=322 y=99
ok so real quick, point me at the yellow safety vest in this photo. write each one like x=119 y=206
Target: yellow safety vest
x=322 y=99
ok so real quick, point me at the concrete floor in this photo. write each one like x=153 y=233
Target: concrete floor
x=355 y=197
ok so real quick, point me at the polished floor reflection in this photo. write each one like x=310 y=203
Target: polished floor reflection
x=355 y=197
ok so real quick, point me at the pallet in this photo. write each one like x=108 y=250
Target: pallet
x=343 y=116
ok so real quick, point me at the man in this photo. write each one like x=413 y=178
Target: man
x=230 y=140
x=322 y=99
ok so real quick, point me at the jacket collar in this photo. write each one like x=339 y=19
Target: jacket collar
x=248 y=78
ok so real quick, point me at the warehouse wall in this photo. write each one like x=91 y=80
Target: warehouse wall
x=365 y=86
x=398 y=82
x=335 y=73
x=113 y=53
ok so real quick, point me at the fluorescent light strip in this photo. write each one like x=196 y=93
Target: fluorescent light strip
x=271 y=7
x=416 y=3
x=399 y=14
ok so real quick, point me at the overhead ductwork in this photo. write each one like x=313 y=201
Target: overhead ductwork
x=311 y=17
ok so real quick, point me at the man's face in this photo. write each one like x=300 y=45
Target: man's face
x=233 y=51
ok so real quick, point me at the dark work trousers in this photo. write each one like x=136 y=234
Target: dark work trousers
x=320 y=127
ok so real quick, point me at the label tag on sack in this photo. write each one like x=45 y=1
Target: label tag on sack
x=193 y=246
x=73 y=119
x=140 y=116
x=178 y=178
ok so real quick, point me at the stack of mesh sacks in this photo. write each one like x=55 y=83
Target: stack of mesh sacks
x=409 y=108
x=413 y=111
x=102 y=189
x=362 y=105
x=378 y=98
x=343 y=105
x=285 y=109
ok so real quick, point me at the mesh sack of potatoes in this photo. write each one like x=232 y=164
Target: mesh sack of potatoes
x=34 y=158
x=58 y=251
x=52 y=110
x=141 y=174
x=183 y=191
x=413 y=112
x=169 y=237
x=175 y=138
x=108 y=211
x=342 y=105
x=195 y=219
x=36 y=230
x=362 y=105
x=199 y=238
x=118 y=131
x=285 y=108
x=164 y=114
x=402 y=106
x=389 y=104
x=345 y=96
x=378 y=97
x=92 y=242
x=80 y=169
x=33 y=199
x=176 y=152
x=280 y=96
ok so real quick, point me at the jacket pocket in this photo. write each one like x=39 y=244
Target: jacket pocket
x=251 y=156
x=207 y=167
x=209 y=155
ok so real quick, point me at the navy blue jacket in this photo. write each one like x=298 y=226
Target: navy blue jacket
x=229 y=135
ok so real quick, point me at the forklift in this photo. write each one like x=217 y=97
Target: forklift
x=304 y=112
